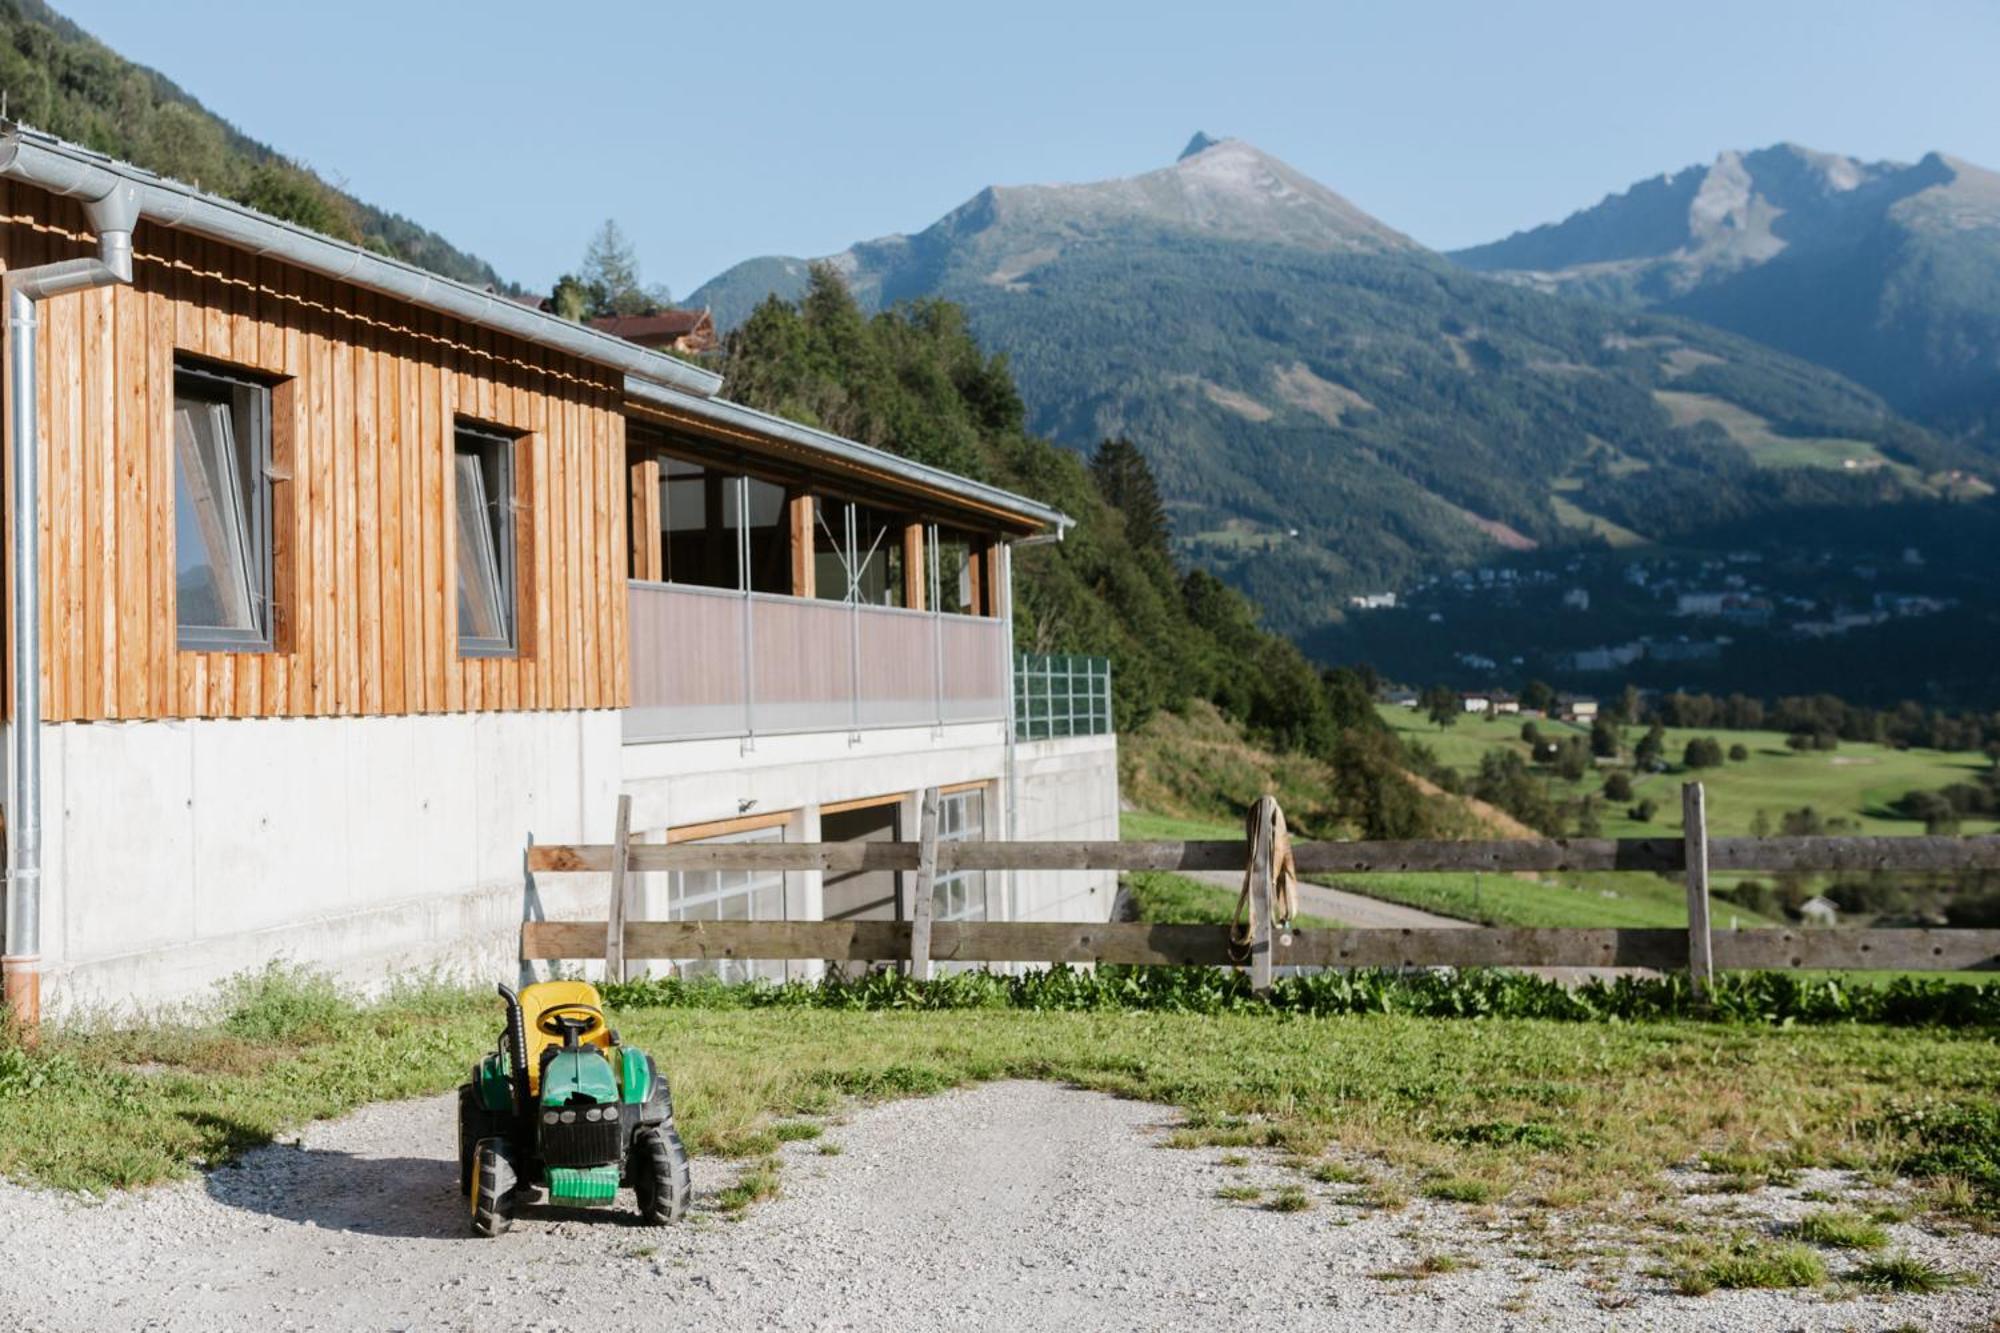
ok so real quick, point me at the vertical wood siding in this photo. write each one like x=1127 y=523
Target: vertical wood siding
x=364 y=539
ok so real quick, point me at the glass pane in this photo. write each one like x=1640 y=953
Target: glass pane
x=219 y=478
x=482 y=605
x=878 y=552
x=698 y=524
x=954 y=559
x=830 y=578
x=770 y=536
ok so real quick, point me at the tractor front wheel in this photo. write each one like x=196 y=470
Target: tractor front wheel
x=493 y=1188
x=660 y=1175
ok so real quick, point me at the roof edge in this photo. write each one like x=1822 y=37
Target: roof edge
x=725 y=413
x=49 y=163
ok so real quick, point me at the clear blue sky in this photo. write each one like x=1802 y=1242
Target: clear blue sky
x=736 y=129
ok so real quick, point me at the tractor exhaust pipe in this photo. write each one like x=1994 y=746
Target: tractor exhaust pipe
x=517 y=1046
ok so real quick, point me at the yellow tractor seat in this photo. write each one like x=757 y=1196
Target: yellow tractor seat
x=545 y=999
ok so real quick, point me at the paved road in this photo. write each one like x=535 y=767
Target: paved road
x=1357 y=910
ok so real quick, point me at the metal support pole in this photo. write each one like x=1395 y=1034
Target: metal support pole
x=920 y=907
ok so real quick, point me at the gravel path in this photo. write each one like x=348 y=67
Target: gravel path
x=1017 y=1205
x=1356 y=910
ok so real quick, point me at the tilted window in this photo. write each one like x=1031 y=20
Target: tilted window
x=483 y=468
x=222 y=510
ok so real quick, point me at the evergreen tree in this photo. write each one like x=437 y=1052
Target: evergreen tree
x=1126 y=480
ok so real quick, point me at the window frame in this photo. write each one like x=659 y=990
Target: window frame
x=505 y=534
x=262 y=638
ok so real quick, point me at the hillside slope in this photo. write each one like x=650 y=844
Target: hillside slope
x=1887 y=272
x=59 y=78
x=1332 y=408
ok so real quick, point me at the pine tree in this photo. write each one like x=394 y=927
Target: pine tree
x=1126 y=480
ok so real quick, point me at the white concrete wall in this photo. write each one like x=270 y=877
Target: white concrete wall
x=1066 y=791
x=177 y=853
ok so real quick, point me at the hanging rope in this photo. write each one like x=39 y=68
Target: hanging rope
x=1284 y=873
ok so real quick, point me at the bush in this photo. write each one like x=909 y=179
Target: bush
x=1618 y=786
x=1738 y=753
x=1702 y=752
x=1645 y=810
x=284 y=1002
x=1740 y=997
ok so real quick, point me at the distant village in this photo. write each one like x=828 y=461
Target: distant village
x=1717 y=599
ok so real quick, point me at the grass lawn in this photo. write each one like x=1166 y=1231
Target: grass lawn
x=1857 y=782
x=1570 y=1114
x=1590 y=898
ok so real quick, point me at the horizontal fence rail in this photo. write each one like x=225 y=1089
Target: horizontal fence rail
x=922 y=941
x=1659 y=855
x=1142 y=943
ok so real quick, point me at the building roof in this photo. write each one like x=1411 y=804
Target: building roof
x=651 y=377
x=735 y=421
x=51 y=164
x=675 y=323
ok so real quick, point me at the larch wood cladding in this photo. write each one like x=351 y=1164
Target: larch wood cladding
x=364 y=543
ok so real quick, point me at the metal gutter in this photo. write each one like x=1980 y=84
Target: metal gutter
x=734 y=416
x=112 y=215
x=47 y=162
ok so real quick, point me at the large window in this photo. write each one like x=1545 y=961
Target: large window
x=960 y=895
x=483 y=469
x=730 y=895
x=719 y=529
x=953 y=589
x=857 y=554
x=222 y=509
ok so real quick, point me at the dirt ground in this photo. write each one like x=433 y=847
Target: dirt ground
x=1024 y=1205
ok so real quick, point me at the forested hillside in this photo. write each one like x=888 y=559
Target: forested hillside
x=58 y=78
x=1331 y=408
x=913 y=380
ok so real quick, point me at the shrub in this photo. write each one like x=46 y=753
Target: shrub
x=1738 y=753
x=1902 y=1272
x=1747 y=1263
x=1702 y=752
x=1645 y=810
x=284 y=1002
x=1618 y=786
x=1840 y=1230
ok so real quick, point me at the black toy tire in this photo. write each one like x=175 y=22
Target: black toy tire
x=492 y=1206
x=660 y=1175
x=475 y=1122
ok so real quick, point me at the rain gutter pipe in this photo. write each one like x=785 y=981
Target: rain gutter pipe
x=112 y=216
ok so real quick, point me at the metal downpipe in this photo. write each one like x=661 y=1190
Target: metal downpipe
x=112 y=218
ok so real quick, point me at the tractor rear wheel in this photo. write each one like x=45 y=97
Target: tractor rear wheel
x=660 y=1175
x=475 y=1122
x=493 y=1188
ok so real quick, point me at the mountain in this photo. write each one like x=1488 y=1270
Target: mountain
x=1887 y=272
x=1331 y=408
x=59 y=78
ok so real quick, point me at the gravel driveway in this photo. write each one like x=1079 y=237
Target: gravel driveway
x=1018 y=1205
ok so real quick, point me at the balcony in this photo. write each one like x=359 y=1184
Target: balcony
x=717 y=663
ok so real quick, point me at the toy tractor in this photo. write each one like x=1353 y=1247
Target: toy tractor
x=562 y=1107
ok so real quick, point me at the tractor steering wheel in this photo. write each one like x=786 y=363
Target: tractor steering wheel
x=584 y=1020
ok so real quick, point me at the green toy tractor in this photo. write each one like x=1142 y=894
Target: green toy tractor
x=564 y=1109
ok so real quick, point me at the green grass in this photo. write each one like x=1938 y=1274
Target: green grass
x=1905 y=1273
x=1418 y=1097
x=1841 y=1231
x=1606 y=898
x=1746 y=1262
x=1139 y=826
x=1165 y=898
x=1856 y=781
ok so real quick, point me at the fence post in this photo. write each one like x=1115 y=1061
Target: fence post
x=920 y=909
x=614 y=930
x=1261 y=869
x=1694 y=835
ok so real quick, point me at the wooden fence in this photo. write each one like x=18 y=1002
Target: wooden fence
x=1269 y=944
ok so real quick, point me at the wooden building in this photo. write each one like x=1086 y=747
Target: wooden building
x=353 y=579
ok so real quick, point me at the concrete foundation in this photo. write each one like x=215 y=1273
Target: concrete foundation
x=180 y=853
